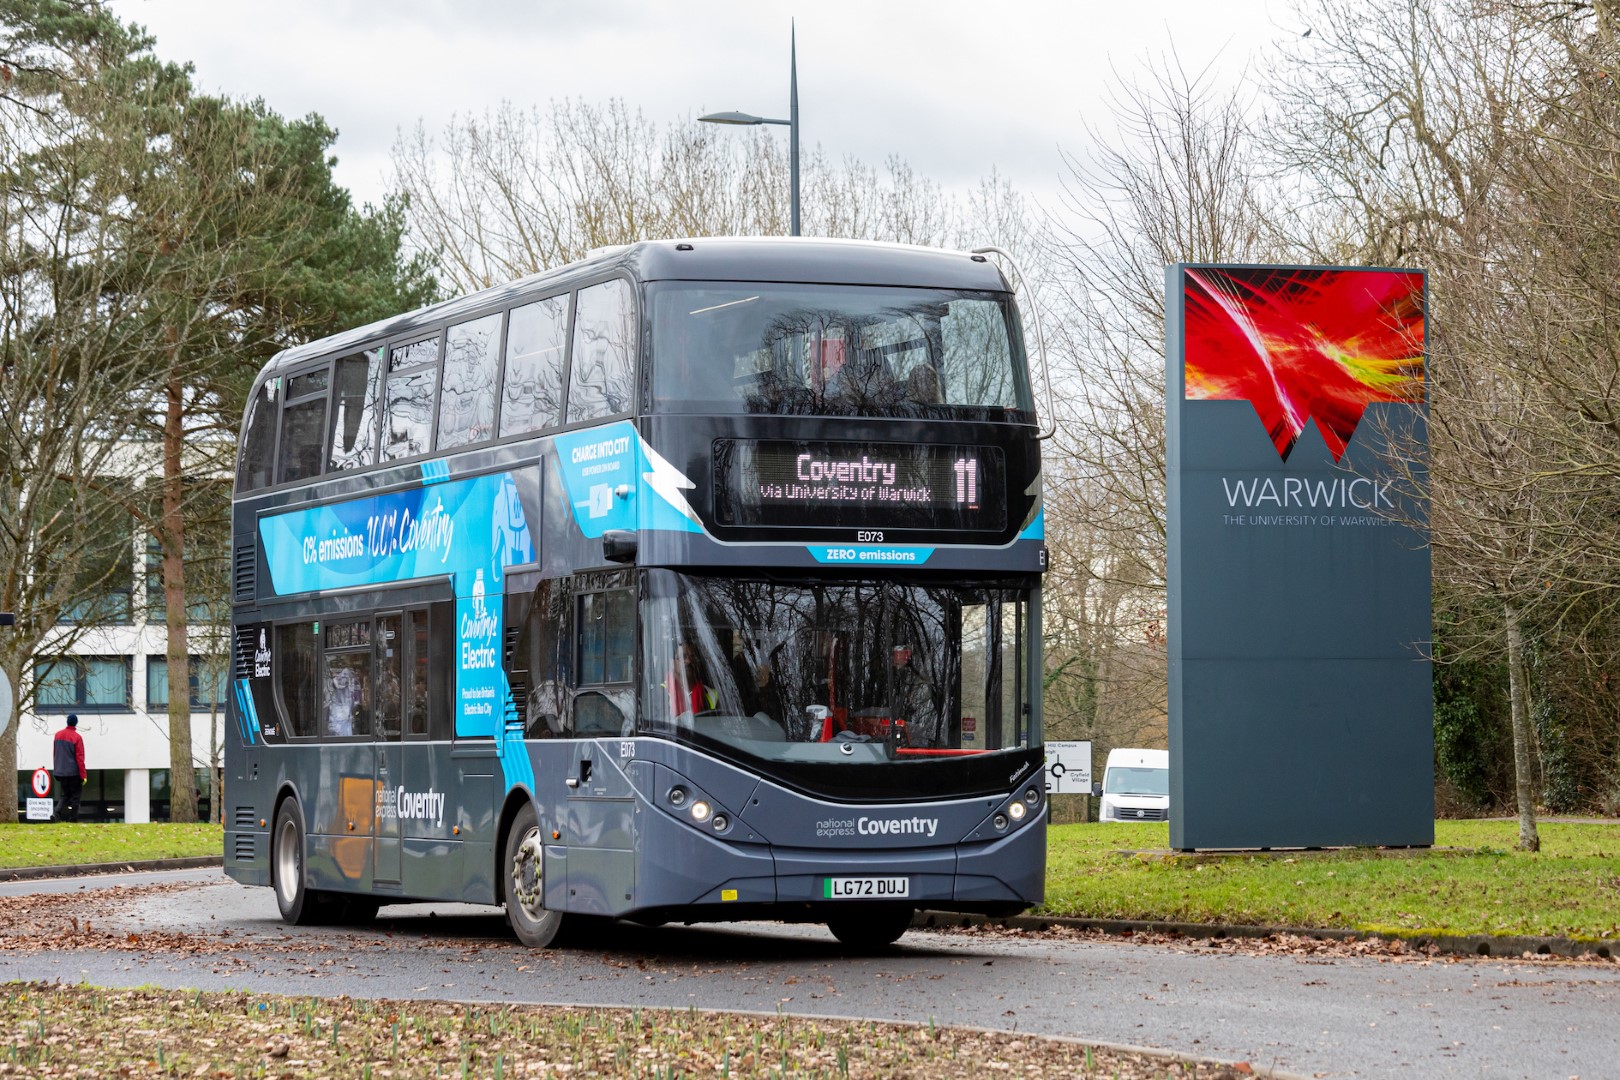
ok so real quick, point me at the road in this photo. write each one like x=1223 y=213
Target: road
x=1329 y=1014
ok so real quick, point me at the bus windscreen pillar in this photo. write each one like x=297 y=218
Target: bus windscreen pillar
x=1300 y=698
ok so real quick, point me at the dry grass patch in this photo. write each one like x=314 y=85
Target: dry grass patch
x=81 y=1031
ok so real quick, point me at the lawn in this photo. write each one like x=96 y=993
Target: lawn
x=1471 y=882
x=78 y=843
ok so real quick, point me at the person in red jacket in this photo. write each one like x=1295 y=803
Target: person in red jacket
x=68 y=769
x=688 y=693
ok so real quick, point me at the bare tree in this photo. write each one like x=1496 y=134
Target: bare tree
x=1172 y=180
x=70 y=377
x=518 y=191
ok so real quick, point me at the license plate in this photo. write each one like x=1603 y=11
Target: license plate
x=865 y=888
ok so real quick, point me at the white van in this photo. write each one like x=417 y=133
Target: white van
x=1135 y=786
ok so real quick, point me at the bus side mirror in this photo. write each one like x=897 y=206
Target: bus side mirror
x=619 y=545
x=1096 y=790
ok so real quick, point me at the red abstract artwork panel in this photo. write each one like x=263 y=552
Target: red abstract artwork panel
x=1304 y=342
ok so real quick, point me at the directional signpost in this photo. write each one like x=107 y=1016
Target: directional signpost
x=1068 y=768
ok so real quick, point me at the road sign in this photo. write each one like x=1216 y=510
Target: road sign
x=42 y=782
x=1068 y=768
x=40 y=809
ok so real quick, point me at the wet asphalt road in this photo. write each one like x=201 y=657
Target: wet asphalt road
x=1328 y=1016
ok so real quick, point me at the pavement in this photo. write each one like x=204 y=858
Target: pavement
x=1446 y=944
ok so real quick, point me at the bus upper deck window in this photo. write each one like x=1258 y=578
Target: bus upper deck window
x=536 y=346
x=601 y=380
x=467 y=396
x=413 y=375
x=354 y=414
x=257 y=466
x=301 y=451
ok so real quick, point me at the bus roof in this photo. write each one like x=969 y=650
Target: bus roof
x=811 y=260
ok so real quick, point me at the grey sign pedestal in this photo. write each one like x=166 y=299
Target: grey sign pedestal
x=1300 y=690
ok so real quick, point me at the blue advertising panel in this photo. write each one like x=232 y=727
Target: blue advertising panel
x=468 y=530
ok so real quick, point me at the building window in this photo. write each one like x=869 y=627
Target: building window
x=89 y=548
x=83 y=684
x=199 y=609
x=208 y=679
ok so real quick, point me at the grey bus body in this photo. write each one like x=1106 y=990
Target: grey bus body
x=731 y=611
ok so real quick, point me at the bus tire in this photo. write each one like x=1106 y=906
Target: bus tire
x=872 y=928
x=525 y=883
x=300 y=905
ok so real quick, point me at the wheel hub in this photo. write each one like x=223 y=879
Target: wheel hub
x=528 y=877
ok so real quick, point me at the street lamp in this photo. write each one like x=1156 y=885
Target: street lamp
x=792 y=124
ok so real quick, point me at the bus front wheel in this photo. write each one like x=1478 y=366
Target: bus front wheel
x=300 y=905
x=871 y=928
x=534 y=925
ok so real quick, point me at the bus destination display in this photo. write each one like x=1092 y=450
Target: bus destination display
x=859 y=485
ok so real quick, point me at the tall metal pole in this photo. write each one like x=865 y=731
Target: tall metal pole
x=793 y=120
x=792 y=124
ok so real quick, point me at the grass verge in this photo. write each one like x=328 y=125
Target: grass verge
x=61 y=1031
x=1472 y=882
x=78 y=843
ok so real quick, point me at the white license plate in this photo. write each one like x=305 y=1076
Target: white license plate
x=865 y=888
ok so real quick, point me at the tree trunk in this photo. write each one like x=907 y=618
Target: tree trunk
x=1523 y=759
x=182 y=780
x=8 y=742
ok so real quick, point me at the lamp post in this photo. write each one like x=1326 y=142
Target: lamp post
x=792 y=124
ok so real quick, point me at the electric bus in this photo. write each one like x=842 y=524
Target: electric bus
x=698 y=580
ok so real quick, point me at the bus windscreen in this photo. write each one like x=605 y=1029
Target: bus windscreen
x=835 y=350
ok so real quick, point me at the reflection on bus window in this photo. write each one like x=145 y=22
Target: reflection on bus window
x=536 y=344
x=835 y=351
x=346 y=703
x=302 y=428
x=416 y=690
x=296 y=661
x=354 y=419
x=601 y=376
x=467 y=399
x=258 y=439
x=793 y=670
x=408 y=399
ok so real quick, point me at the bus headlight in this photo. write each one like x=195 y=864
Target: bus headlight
x=700 y=811
x=1001 y=821
x=677 y=796
x=1017 y=811
x=720 y=823
x=1031 y=797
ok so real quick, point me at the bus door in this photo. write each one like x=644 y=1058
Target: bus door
x=601 y=800
x=389 y=655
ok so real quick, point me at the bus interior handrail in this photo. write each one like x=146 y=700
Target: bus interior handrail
x=1040 y=336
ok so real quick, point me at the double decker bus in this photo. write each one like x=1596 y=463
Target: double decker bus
x=698 y=580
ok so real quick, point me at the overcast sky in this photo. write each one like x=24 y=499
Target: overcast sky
x=953 y=88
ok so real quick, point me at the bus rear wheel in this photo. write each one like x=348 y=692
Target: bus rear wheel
x=534 y=925
x=871 y=928
x=300 y=905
